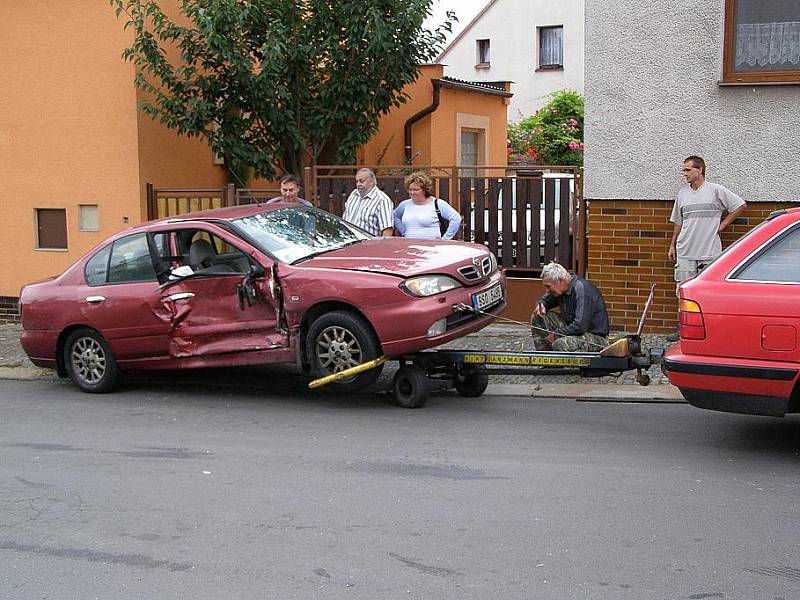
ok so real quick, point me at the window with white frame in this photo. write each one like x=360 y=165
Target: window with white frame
x=762 y=41
x=482 y=51
x=88 y=217
x=551 y=53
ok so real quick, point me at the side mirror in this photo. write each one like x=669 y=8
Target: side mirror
x=257 y=270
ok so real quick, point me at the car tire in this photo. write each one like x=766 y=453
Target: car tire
x=90 y=363
x=410 y=387
x=339 y=340
x=472 y=382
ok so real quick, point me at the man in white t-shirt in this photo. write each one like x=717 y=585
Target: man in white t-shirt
x=698 y=218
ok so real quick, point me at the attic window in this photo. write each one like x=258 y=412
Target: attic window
x=482 y=47
x=762 y=41
x=550 y=47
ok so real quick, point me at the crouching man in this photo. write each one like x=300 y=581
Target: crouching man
x=582 y=322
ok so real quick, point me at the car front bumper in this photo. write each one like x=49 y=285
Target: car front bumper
x=402 y=328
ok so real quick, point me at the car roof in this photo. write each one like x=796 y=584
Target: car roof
x=793 y=210
x=228 y=213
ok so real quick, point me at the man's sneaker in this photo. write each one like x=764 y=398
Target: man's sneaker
x=674 y=336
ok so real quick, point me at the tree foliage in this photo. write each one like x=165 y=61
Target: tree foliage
x=552 y=136
x=278 y=82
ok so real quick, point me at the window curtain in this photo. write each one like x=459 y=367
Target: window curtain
x=768 y=44
x=551 y=46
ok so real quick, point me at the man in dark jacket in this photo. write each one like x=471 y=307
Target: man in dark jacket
x=582 y=322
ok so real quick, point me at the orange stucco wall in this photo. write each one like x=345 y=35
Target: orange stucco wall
x=70 y=134
x=166 y=159
x=68 y=131
x=435 y=138
x=170 y=161
x=444 y=122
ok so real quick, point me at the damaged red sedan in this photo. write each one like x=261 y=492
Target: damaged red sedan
x=254 y=285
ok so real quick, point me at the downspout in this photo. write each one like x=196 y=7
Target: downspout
x=421 y=114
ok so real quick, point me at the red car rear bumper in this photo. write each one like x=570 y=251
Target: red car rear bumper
x=732 y=385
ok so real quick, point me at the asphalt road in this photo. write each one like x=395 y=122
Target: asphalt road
x=186 y=491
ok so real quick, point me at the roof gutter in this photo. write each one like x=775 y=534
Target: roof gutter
x=420 y=115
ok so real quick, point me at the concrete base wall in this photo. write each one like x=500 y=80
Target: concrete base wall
x=9 y=309
x=628 y=244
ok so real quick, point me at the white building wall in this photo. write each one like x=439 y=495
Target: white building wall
x=510 y=25
x=653 y=97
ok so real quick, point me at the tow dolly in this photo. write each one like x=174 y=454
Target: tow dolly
x=468 y=371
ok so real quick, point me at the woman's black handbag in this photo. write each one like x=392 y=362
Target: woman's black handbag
x=443 y=223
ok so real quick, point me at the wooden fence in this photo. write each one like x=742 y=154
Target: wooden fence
x=528 y=216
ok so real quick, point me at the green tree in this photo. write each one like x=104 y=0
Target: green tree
x=278 y=82
x=554 y=135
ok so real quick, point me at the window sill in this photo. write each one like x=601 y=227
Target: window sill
x=483 y=65
x=52 y=249
x=754 y=83
x=550 y=68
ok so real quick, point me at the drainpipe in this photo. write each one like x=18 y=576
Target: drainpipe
x=423 y=113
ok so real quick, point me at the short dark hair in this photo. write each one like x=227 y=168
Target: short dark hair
x=698 y=162
x=291 y=178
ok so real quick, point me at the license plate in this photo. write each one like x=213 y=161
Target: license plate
x=488 y=297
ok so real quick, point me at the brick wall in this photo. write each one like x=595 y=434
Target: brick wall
x=628 y=244
x=9 y=310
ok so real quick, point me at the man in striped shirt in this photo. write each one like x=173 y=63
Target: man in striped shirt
x=368 y=207
x=697 y=216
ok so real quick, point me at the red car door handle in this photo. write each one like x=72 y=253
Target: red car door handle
x=95 y=299
x=181 y=296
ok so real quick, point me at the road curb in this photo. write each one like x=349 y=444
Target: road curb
x=589 y=392
x=26 y=373
x=568 y=391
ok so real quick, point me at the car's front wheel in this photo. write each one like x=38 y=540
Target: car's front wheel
x=90 y=363
x=340 y=340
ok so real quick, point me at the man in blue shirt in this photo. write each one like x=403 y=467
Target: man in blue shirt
x=582 y=322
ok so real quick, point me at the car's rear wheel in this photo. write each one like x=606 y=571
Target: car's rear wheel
x=90 y=363
x=340 y=340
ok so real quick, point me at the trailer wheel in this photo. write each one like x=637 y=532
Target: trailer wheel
x=642 y=378
x=472 y=382
x=410 y=386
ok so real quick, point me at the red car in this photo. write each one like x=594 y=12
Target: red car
x=254 y=285
x=739 y=323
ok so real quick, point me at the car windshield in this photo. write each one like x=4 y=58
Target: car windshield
x=296 y=233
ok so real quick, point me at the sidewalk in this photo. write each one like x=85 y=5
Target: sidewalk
x=621 y=387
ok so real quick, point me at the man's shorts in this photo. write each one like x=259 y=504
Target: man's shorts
x=686 y=268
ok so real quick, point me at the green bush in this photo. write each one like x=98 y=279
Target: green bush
x=552 y=136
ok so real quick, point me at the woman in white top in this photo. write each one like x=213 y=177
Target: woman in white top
x=417 y=217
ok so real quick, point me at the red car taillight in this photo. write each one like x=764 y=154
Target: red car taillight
x=691 y=321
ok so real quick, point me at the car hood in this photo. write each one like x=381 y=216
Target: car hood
x=403 y=257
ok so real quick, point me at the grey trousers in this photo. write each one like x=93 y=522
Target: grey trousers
x=588 y=342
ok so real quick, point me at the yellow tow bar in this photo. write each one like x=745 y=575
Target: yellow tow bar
x=371 y=364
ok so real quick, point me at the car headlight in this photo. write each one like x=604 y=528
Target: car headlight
x=429 y=285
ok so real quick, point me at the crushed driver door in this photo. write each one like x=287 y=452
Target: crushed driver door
x=223 y=313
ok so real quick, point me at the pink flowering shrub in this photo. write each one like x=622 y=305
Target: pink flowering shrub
x=553 y=135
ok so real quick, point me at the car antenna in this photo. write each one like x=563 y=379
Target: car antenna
x=253 y=199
